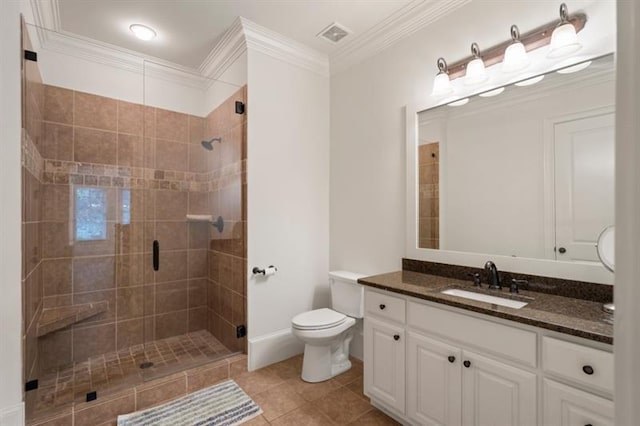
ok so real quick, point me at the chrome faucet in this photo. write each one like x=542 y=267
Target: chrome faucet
x=493 y=276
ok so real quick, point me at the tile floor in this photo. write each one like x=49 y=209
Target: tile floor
x=115 y=370
x=287 y=400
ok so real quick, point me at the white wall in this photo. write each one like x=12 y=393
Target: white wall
x=368 y=120
x=226 y=84
x=11 y=411
x=288 y=201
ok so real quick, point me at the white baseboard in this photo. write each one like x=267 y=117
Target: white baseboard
x=12 y=416
x=274 y=347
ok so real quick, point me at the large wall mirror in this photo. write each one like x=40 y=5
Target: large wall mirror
x=525 y=175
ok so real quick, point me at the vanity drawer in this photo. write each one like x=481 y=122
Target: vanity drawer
x=503 y=340
x=582 y=364
x=384 y=305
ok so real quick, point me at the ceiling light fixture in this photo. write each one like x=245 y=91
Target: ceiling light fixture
x=441 y=83
x=564 y=39
x=143 y=32
x=515 y=56
x=476 y=72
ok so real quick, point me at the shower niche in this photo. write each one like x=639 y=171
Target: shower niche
x=120 y=286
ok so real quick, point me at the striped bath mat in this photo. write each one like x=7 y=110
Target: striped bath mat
x=222 y=404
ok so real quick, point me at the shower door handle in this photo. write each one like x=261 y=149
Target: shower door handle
x=156 y=255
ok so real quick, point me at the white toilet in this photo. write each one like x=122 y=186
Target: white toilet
x=327 y=333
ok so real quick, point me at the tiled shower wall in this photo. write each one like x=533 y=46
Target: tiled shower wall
x=150 y=172
x=32 y=170
x=429 y=200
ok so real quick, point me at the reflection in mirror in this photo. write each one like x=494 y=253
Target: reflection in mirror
x=528 y=173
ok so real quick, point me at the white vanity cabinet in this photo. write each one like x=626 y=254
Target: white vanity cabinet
x=432 y=365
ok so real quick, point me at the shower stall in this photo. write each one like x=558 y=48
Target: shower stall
x=134 y=222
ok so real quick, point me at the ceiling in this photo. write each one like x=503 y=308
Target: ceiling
x=188 y=29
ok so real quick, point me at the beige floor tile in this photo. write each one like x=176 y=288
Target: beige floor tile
x=306 y=415
x=258 y=381
x=256 y=421
x=357 y=387
x=350 y=375
x=342 y=406
x=313 y=391
x=278 y=400
x=374 y=417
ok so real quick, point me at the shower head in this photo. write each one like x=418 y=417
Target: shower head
x=208 y=145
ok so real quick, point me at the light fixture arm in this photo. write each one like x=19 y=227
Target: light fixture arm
x=442 y=66
x=515 y=33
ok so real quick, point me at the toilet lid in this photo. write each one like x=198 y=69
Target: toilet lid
x=318 y=319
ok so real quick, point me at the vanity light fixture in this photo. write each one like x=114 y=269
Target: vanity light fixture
x=491 y=93
x=515 y=55
x=530 y=81
x=564 y=39
x=476 y=71
x=441 y=83
x=574 y=68
x=143 y=32
x=460 y=102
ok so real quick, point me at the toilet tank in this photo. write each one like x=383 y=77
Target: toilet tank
x=347 y=296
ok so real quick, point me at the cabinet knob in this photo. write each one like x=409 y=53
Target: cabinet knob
x=396 y=337
x=467 y=364
x=587 y=369
x=562 y=250
x=451 y=359
x=588 y=424
x=382 y=306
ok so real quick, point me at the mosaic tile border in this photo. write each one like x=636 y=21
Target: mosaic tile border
x=31 y=159
x=71 y=172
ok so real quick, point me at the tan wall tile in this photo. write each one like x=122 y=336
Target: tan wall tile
x=196 y=129
x=130 y=118
x=171 y=125
x=207 y=376
x=171 y=205
x=130 y=333
x=57 y=142
x=172 y=155
x=198 y=318
x=173 y=235
x=54 y=350
x=91 y=341
x=197 y=263
x=130 y=302
x=58 y=105
x=93 y=273
x=95 y=111
x=130 y=150
x=95 y=146
x=171 y=296
x=156 y=393
x=173 y=266
x=171 y=324
x=58 y=276
x=95 y=413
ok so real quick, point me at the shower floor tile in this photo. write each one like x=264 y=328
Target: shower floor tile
x=113 y=371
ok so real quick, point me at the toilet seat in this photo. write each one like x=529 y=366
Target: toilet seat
x=318 y=319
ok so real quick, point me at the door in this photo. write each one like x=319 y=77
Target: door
x=434 y=381
x=584 y=184
x=567 y=406
x=496 y=394
x=384 y=352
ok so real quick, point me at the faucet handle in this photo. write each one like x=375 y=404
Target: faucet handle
x=515 y=284
x=476 y=279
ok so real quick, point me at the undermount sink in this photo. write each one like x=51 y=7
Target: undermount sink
x=509 y=303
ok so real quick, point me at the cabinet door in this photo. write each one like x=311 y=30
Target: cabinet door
x=496 y=394
x=384 y=366
x=434 y=382
x=568 y=406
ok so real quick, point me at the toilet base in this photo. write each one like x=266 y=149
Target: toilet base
x=321 y=363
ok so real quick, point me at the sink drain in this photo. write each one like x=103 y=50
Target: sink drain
x=146 y=364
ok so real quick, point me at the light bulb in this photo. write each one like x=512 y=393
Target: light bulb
x=574 y=68
x=530 y=81
x=564 y=39
x=459 y=103
x=494 y=92
x=476 y=72
x=515 y=55
x=441 y=83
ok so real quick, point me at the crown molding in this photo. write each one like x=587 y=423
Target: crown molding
x=408 y=20
x=231 y=45
x=271 y=43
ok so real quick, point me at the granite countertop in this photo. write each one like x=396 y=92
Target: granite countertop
x=578 y=317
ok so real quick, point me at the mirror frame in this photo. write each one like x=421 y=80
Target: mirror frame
x=576 y=271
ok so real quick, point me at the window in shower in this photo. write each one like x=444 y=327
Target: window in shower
x=126 y=207
x=90 y=214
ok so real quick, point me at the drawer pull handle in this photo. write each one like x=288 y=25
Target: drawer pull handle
x=396 y=337
x=451 y=359
x=587 y=370
x=382 y=306
x=467 y=364
x=588 y=424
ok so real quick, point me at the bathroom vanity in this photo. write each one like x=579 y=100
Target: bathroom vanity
x=436 y=359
